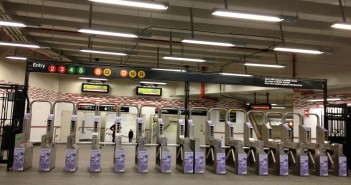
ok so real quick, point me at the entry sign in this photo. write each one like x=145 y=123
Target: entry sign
x=283 y=82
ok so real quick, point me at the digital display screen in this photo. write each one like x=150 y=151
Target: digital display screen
x=95 y=88
x=149 y=91
x=260 y=106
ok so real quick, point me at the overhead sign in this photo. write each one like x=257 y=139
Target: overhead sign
x=112 y=108
x=260 y=106
x=95 y=88
x=149 y=91
x=108 y=71
x=86 y=107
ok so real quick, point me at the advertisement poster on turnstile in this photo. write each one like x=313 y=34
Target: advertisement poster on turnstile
x=343 y=166
x=143 y=163
x=263 y=161
x=166 y=162
x=120 y=161
x=71 y=159
x=220 y=163
x=284 y=165
x=304 y=169
x=95 y=158
x=188 y=162
x=242 y=164
x=323 y=166
x=18 y=159
x=44 y=161
x=199 y=162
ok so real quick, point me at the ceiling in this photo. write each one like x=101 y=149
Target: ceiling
x=54 y=25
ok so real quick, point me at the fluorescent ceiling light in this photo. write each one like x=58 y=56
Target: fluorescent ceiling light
x=14 y=44
x=139 y=4
x=345 y=26
x=274 y=104
x=16 y=58
x=278 y=107
x=10 y=23
x=107 y=33
x=102 y=52
x=154 y=83
x=235 y=74
x=295 y=50
x=210 y=43
x=92 y=79
x=171 y=70
x=246 y=15
x=183 y=59
x=329 y=99
x=265 y=65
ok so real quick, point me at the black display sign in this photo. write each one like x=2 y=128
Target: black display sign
x=167 y=111
x=195 y=112
x=86 y=107
x=260 y=106
x=95 y=88
x=149 y=91
x=232 y=117
x=112 y=108
x=109 y=71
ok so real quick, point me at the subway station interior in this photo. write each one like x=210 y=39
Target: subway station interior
x=175 y=92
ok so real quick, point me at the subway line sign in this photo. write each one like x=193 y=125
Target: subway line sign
x=72 y=69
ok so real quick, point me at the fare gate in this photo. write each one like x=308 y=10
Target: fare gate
x=338 y=123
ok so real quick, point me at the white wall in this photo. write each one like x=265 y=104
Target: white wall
x=310 y=121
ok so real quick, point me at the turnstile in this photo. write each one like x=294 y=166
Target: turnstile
x=215 y=155
x=257 y=157
x=95 y=153
x=119 y=154
x=163 y=154
x=278 y=160
x=72 y=149
x=236 y=157
x=23 y=152
x=141 y=154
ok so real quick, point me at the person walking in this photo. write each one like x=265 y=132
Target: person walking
x=130 y=135
x=113 y=128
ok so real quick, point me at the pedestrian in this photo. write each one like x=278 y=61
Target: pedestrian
x=130 y=135
x=113 y=128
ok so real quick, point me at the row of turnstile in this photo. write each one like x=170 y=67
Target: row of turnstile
x=262 y=157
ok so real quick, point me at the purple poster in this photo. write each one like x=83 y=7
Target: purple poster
x=242 y=164
x=71 y=160
x=143 y=162
x=188 y=162
x=220 y=168
x=45 y=158
x=199 y=162
x=323 y=166
x=18 y=159
x=120 y=161
x=263 y=162
x=304 y=170
x=95 y=161
x=284 y=165
x=342 y=166
x=166 y=162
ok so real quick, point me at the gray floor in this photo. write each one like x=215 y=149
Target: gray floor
x=130 y=177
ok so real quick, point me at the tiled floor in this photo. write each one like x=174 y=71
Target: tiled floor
x=131 y=177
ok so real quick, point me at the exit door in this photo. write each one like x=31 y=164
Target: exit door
x=87 y=126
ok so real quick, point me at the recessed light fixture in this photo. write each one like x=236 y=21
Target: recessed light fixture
x=296 y=50
x=11 y=23
x=245 y=15
x=102 y=52
x=210 y=43
x=236 y=74
x=264 y=65
x=16 y=58
x=15 y=44
x=153 y=83
x=106 y=33
x=171 y=70
x=183 y=59
x=329 y=99
x=345 y=26
x=92 y=79
x=279 y=107
x=139 y=4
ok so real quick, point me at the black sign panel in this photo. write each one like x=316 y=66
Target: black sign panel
x=108 y=71
x=232 y=117
x=108 y=108
x=124 y=109
x=86 y=107
x=195 y=112
x=168 y=111
x=260 y=106
x=95 y=88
